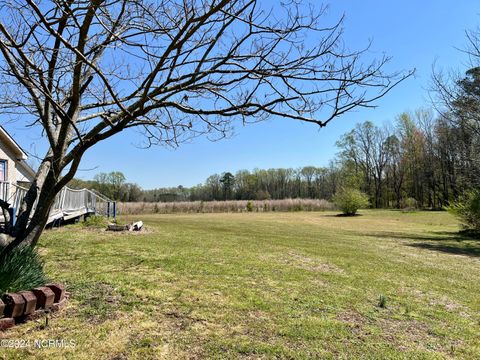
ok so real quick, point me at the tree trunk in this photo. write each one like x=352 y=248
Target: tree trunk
x=28 y=228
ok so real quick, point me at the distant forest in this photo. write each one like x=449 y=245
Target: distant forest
x=419 y=159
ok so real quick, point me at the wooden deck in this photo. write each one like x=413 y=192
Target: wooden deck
x=69 y=203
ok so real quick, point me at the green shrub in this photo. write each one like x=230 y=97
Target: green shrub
x=467 y=209
x=95 y=221
x=22 y=270
x=382 y=301
x=249 y=206
x=410 y=204
x=350 y=200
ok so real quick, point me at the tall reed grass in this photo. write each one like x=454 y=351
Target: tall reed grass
x=235 y=206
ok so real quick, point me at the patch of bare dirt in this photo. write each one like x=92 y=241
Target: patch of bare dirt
x=443 y=301
x=448 y=304
x=100 y=303
x=355 y=321
x=402 y=333
x=307 y=263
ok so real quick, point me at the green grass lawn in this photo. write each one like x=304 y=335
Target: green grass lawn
x=265 y=285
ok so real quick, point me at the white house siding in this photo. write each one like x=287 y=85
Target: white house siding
x=23 y=175
x=17 y=172
x=9 y=156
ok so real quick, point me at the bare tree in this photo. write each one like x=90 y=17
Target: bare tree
x=365 y=149
x=456 y=96
x=395 y=167
x=86 y=70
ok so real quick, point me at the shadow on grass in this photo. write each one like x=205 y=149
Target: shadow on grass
x=343 y=215
x=457 y=243
x=466 y=250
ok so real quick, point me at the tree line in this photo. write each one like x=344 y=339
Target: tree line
x=421 y=159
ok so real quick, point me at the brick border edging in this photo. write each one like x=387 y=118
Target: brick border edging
x=19 y=307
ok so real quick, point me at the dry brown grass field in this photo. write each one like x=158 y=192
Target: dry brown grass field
x=135 y=208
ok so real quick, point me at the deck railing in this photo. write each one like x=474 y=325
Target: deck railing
x=4 y=190
x=18 y=193
x=67 y=202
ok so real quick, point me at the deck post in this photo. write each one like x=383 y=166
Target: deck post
x=13 y=215
x=108 y=209
x=114 y=209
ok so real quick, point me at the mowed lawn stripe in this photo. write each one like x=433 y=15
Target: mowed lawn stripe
x=274 y=285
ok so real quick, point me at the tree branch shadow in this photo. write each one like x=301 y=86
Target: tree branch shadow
x=456 y=243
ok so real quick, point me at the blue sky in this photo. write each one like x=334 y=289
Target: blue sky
x=414 y=33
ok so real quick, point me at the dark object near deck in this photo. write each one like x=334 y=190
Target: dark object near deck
x=115 y=227
x=136 y=226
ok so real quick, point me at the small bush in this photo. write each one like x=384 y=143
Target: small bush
x=249 y=206
x=350 y=200
x=22 y=270
x=410 y=204
x=95 y=221
x=382 y=301
x=467 y=210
